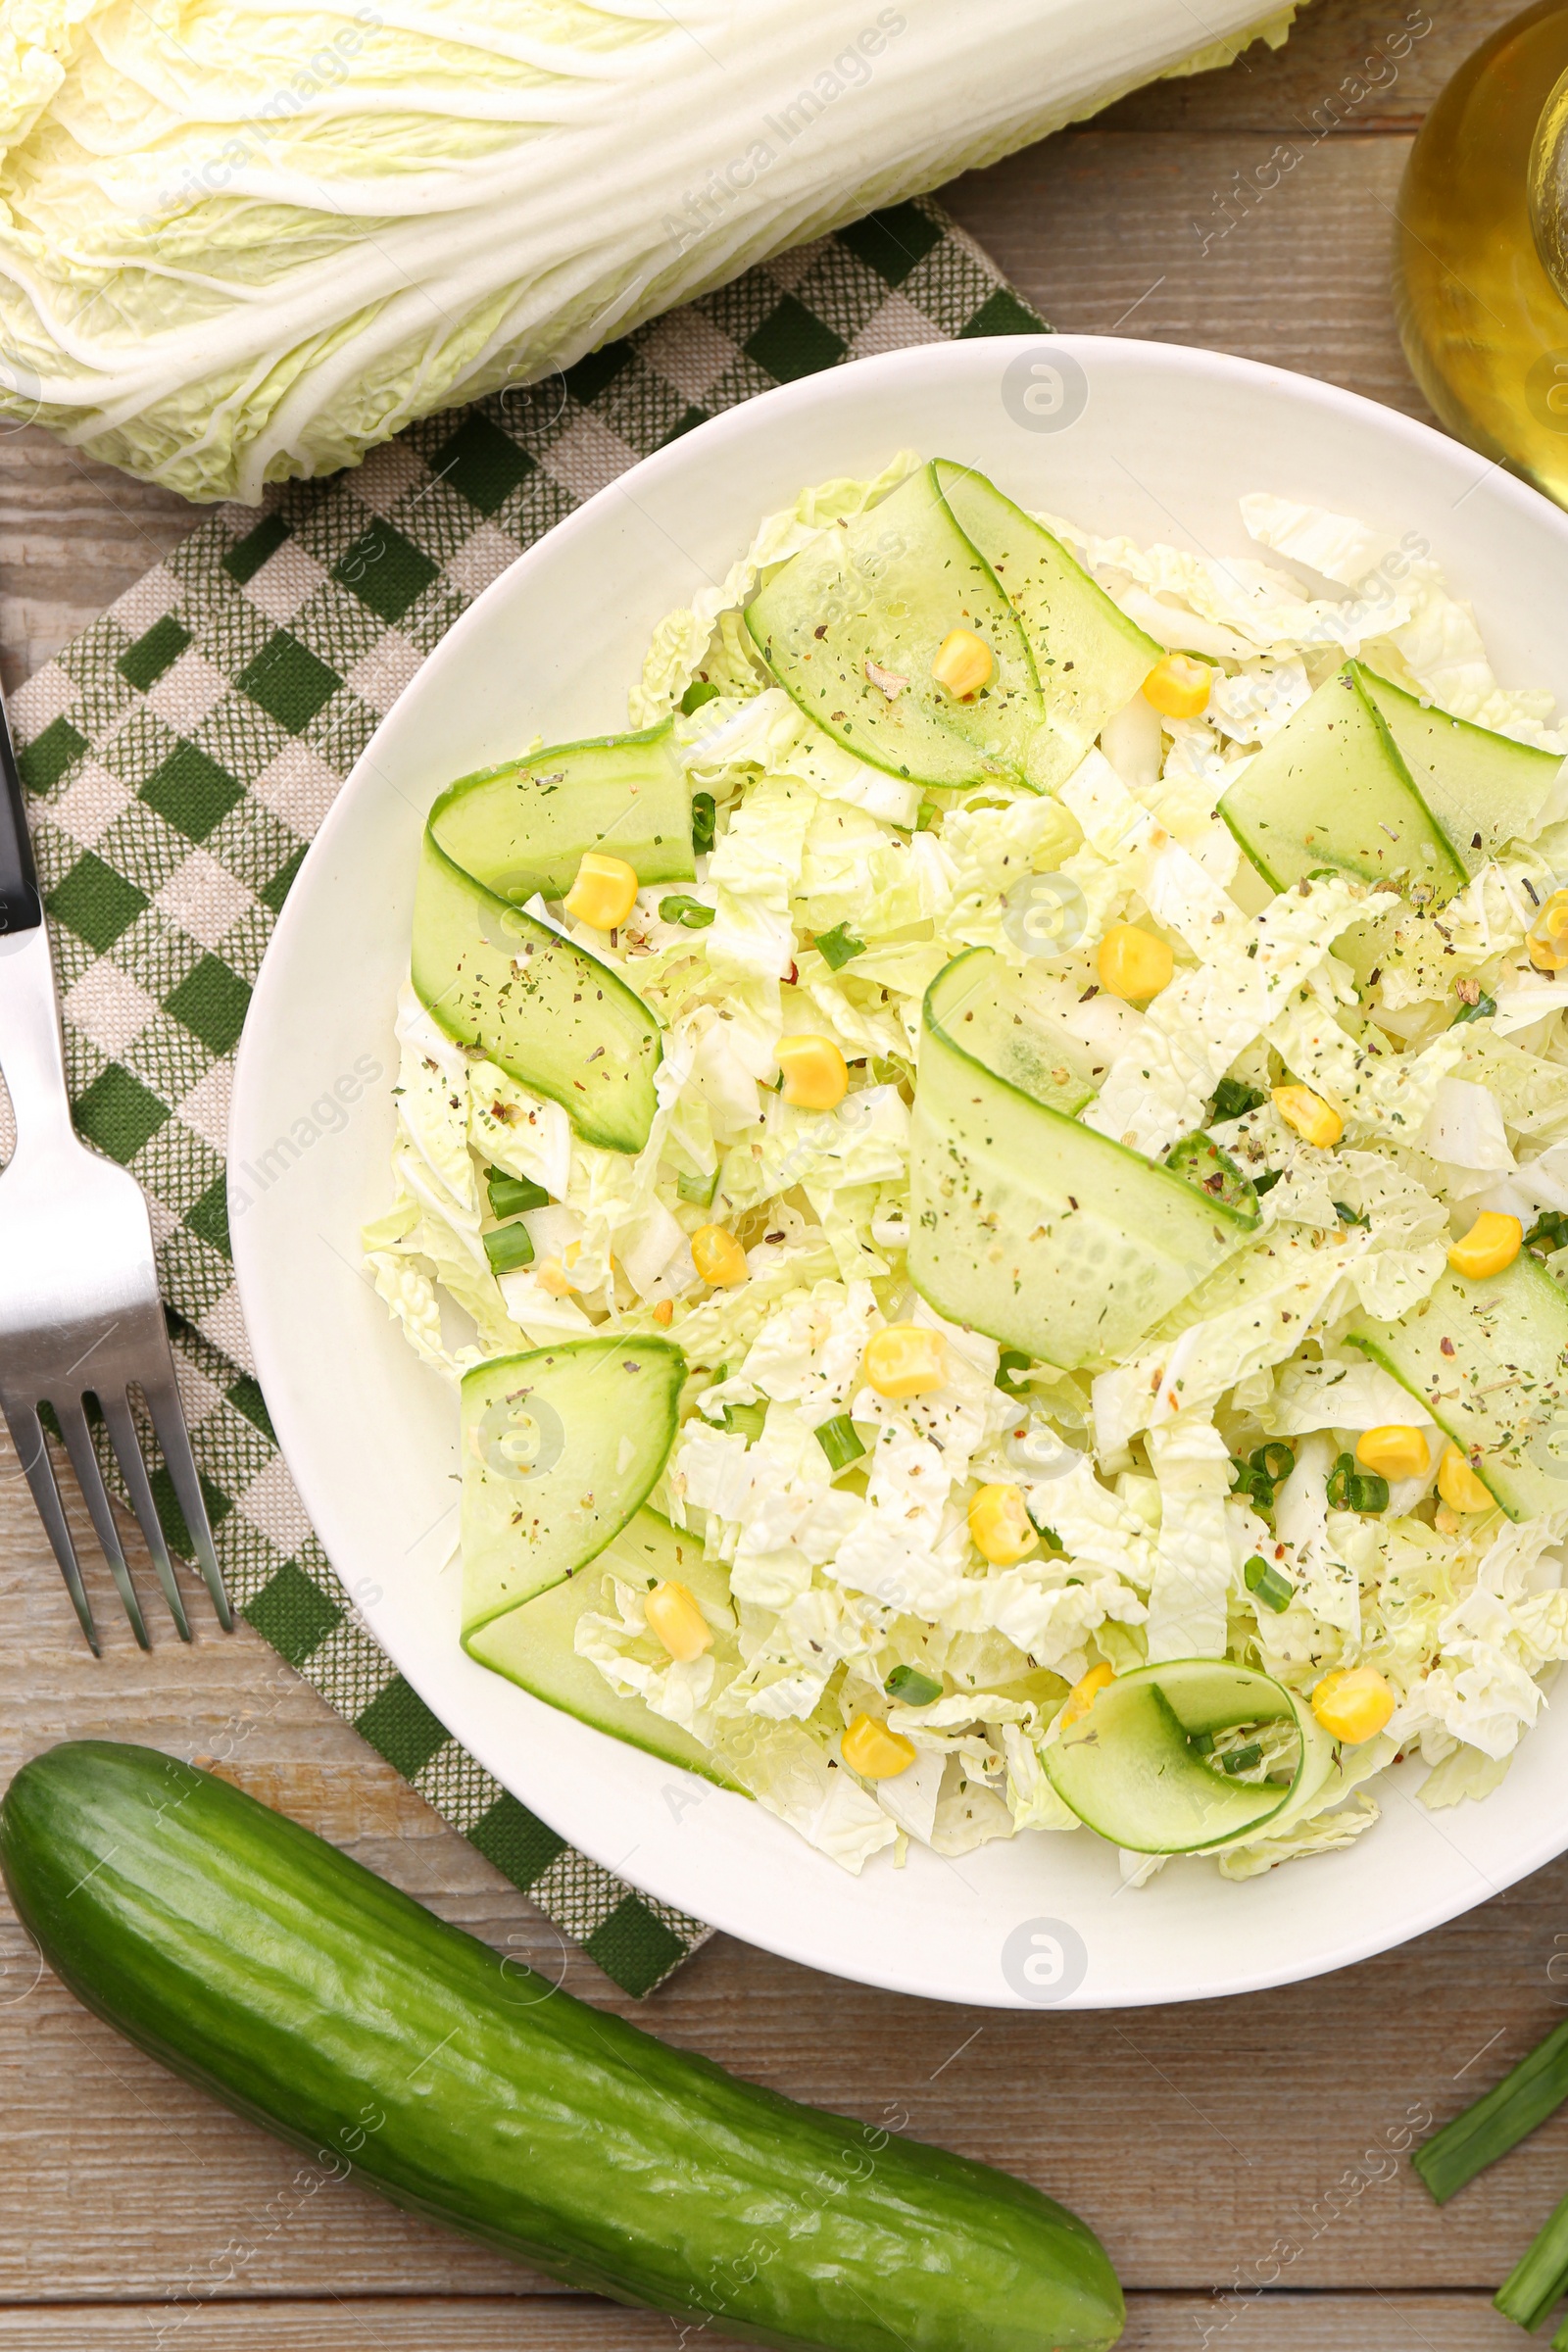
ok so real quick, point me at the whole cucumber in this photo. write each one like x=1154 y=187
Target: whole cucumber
x=258 y=1961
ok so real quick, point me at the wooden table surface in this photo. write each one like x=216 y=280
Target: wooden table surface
x=1232 y=2155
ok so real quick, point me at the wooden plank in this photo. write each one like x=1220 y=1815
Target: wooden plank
x=1274 y=2323
x=1107 y=232
x=73 y=535
x=1369 y=61
x=1230 y=2146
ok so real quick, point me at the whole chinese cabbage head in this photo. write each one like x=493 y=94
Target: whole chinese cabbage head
x=242 y=240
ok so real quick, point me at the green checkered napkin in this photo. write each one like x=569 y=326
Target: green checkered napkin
x=182 y=753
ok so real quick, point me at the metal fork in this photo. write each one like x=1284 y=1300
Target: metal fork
x=79 y=1310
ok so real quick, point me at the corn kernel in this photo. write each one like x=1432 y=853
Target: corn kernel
x=719 y=1256
x=673 y=1612
x=1492 y=1244
x=905 y=1359
x=1314 y=1120
x=1083 y=1694
x=665 y=1313
x=1394 y=1450
x=1134 y=963
x=604 y=893
x=1179 y=687
x=964 y=663
x=873 y=1751
x=1459 y=1486
x=1547 y=940
x=1001 y=1525
x=817 y=1076
x=1353 y=1703
x=550 y=1276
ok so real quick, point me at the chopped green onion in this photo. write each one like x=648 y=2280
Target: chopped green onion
x=696 y=695
x=1535 y=2283
x=510 y=1196
x=1198 y=1160
x=1276 y=1460
x=745 y=1421
x=705 y=820
x=1255 y=1485
x=1348 y=1216
x=689 y=912
x=1353 y=1489
x=839 y=1441
x=1548 y=1232
x=1262 y=1471
x=1489 y=2127
x=1266 y=1181
x=1233 y=1100
x=840 y=945
x=1267 y=1586
x=508 y=1247
x=1481 y=1010
x=1202 y=1743
x=1013 y=1364
x=911 y=1687
x=697 y=1189
x=1242 y=1760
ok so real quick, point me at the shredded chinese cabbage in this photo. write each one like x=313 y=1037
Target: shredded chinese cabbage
x=1192 y=1500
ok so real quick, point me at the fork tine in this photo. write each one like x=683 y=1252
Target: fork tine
x=168 y=1419
x=78 y=1444
x=133 y=1470
x=27 y=1435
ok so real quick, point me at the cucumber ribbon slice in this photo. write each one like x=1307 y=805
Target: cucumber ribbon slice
x=1489 y=1359
x=1367 y=779
x=561 y=1449
x=535 y=1645
x=1142 y=1769
x=851 y=624
x=1025 y=1224
x=551 y=1015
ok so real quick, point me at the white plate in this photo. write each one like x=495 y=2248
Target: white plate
x=1136 y=437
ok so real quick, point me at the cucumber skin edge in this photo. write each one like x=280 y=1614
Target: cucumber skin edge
x=258 y=1962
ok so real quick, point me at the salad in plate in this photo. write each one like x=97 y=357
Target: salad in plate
x=991 y=1178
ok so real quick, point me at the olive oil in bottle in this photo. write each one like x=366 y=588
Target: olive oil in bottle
x=1481 y=274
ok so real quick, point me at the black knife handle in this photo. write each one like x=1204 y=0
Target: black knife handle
x=20 y=906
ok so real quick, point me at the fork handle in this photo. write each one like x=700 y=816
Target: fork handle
x=21 y=909
x=31 y=1053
